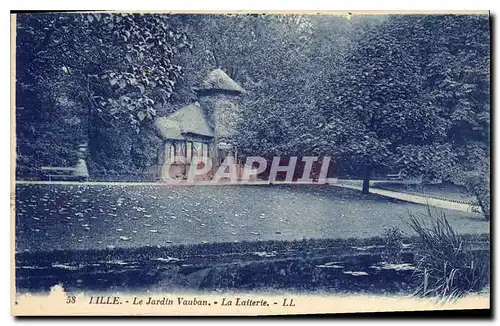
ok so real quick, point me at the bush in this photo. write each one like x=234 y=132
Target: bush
x=478 y=184
x=446 y=265
x=476 y=180
x=393 y=245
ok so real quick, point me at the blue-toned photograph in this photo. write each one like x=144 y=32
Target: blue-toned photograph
x=256 y=153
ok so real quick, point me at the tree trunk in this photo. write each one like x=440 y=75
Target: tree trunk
x=366 y=180
x=91 y=135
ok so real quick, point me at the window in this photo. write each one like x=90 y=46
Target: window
x=189 y=151
x=197 y=149
x=172 y=153
x=204 y=149
x=179 y=151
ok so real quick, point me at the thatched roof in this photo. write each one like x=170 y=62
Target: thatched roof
x=188 y=119
x=217 y=79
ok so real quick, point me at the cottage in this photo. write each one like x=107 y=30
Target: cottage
x=203 y=128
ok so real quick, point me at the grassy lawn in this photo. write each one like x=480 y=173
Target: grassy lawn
x=52 y=217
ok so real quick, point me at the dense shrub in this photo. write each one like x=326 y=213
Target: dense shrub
x=393 y=242
x=477 y=183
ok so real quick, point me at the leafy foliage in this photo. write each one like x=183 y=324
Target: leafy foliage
x=456 y=58
x=379 y=92
x=107 y=70
x=393 y=245
x=477 y=183
x=403 y=93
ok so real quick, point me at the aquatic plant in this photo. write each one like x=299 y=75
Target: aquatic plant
x=446 y=266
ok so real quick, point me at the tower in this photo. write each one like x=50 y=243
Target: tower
x=218 y=97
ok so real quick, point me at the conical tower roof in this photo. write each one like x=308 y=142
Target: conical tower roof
x=217 y=79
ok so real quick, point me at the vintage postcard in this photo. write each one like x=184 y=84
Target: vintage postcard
x=250 y=163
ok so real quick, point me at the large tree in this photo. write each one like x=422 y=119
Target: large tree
x=104 y=70
x=377 y=108
x=292 y=58
x=455 y=52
